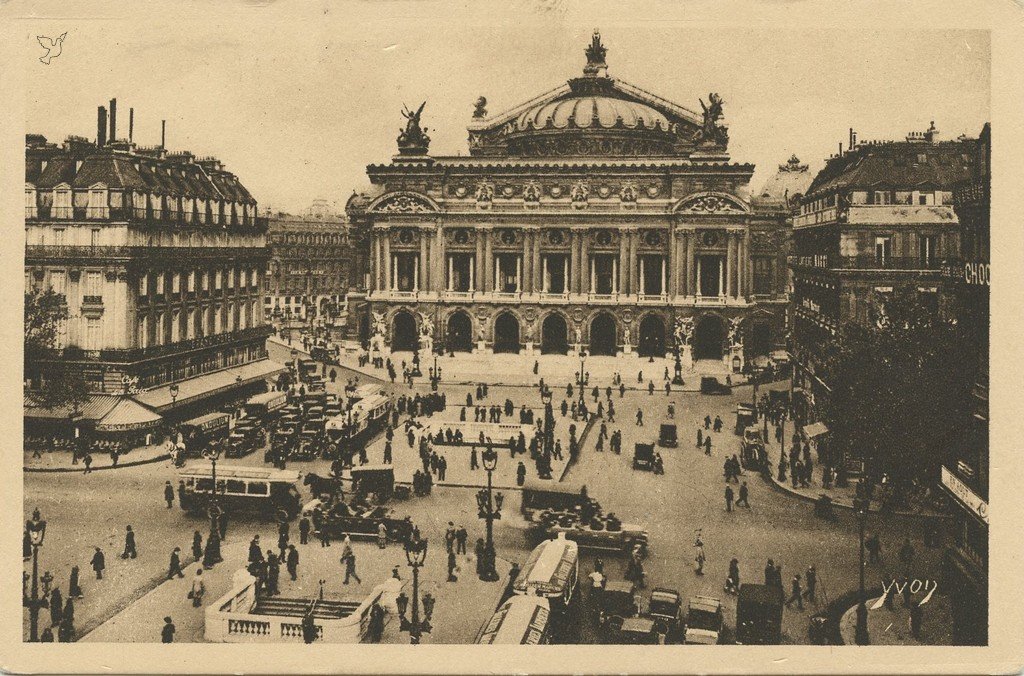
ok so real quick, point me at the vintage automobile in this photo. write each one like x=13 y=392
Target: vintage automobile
x=616 y=602
x=669 y=436
x=375 y=480
x=307 y=448
x=521 y=620
x=266 y=492
x=752 y=449
x=710 y=385
x=637 y=631
x=704 y=618
x=643 y=457
x=745 y=417
x=244 y=439
x=357 y=520
x=552 y=572
x=663 y=608
x=759 y=615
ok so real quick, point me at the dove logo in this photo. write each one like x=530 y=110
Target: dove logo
x=52 y=47
x=916 y=586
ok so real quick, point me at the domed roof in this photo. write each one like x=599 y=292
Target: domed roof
x=591 y=112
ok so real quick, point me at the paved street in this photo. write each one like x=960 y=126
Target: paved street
x=90 y=510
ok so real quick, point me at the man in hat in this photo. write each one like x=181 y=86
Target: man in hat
x=174 y=568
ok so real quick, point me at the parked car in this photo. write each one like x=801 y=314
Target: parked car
x=704 y=619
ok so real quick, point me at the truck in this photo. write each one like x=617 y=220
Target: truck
x=759 y=615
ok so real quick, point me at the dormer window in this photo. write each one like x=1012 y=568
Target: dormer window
x=97 y=202
x=31 y=210
x=62 y=201
x=156 y=203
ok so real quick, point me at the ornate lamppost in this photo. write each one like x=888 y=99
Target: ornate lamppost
x=416 y=556
x=861 y=505
x=489 y=509
x=677 y=378
x=549 y=424
x=583 y=358
x=36 y=529
x=212 y=453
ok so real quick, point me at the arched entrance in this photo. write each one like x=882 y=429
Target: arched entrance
x=759 y=341
x=506 y=333
x=709 y=337
x=460 y=332
x=602 y=335
x=403 y=333
x=554 y=335
x=652 y=337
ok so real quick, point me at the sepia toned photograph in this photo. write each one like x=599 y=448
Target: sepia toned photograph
x=350 y=324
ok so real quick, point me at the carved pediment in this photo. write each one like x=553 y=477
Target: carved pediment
x=711 y=203
x=403 y=203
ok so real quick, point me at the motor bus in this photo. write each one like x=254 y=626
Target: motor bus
x=264 y=408
x=521 y=620
x=267 y=492
x=551 y=572
x=199 y=433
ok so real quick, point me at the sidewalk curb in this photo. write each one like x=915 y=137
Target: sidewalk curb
x=81 y=470
x=783 y=488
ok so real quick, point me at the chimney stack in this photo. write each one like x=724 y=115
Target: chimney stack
x=131 y=124
x=101 y=126
x=163 y=133
x=840 y=149
x=113 y=120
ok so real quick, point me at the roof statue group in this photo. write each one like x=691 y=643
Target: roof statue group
x=617 y=117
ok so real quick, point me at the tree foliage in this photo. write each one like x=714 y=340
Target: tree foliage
x=59 y=383
x=900 y=391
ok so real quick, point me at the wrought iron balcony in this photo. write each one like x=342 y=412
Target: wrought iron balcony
x=130 y=355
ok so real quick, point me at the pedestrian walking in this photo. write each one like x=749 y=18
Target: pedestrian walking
x=304 y=530
x=99 y=563
x=473 y=464
x=744 y=492
x=169 y=494
x=452 y=565
x=69 y=612
x=56 y=607
x=707 y=422
x=129 y=544
x=796 y=593
x=348 y=558
x=74 y=589
x=88 y=462
x=812 y=581
x=707 y=445
x=728 y=498
x=282 y=543
x=273 y=574
x=167 y=632
x=461 y=536
x=292 y=562
x=382 y=535
x=198 y=589
x=174 y=567
x=639 y=418
x=442 y=468
x=732 y=582
x=700 y=558
x=66 y=632
x=700 y=437
x=520 y=474
x=449 y=537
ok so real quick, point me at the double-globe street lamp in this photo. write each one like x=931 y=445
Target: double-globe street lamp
x=861 y=505
x=549 y=424
x=212 y=453
x=582 y=379
x=36 y=529
x=416 y=556
x=489 y=509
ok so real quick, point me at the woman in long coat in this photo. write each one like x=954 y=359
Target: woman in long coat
x=56 y=607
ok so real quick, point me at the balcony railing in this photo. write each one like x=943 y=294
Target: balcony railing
x=66 y=252
x=145 y=215
x=873 y=262
x=92 y=300
x=128 y=355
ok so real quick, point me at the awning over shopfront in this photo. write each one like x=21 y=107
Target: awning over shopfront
x=93 y=409
x=815 y=430
x=194 y=389
x=128 y=416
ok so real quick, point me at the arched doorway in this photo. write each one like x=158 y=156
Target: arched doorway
x=652 y=337
x=506 y=333
x=602 y=335
x=403 y=333
x=759 y=341
x=460 y=332
x=554 y=335
x=708 y=337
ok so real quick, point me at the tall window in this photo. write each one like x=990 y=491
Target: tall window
x=93 y=334
x=144 y=332
x=93 y=284
x=62 y=202
x=58 y=236
x=175 y=327
x=58 y=282
x=175 y=282
x=927 y=245
x=159 y=284
x=217 y=280
x=94 y=237
x=97 y=202
x=883 y=251
x=30 y=201
x=762 y=274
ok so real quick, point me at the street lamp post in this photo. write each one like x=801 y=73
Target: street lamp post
x=677 y=378
x=174 y=393
x=36 y=528
x=861 y=505
x=212 y=453
x=490 y=509
x=549 y=424
x=416 y=555
x=583 y=359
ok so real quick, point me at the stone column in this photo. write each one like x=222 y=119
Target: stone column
x=488 y=261
x=741 y=269
x=584 y=262
x=622 y=287
x=424 y=261
x=538 y=279
x=572 y=285
x=386 y=237
x=478 y=261
x=673 y=259
x=440 y=260
x=730 y=244
x=691 y=263
x=375 y=265
x=641 y=287
x=526 y=281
